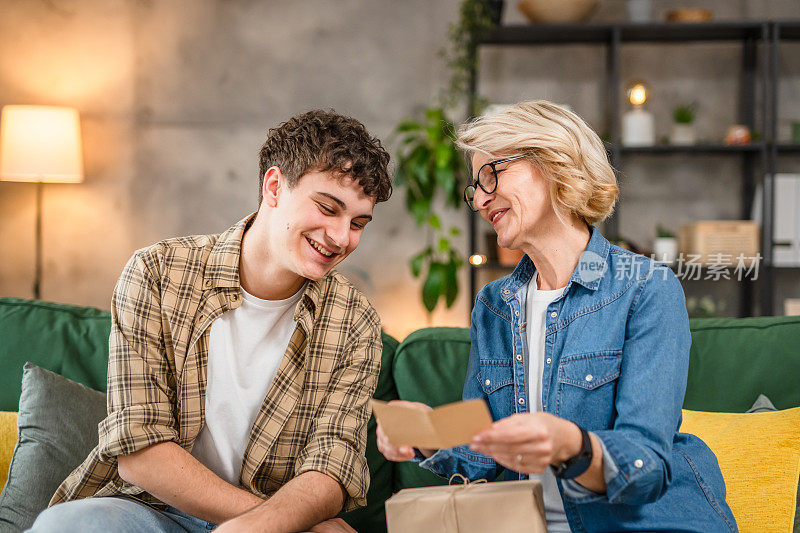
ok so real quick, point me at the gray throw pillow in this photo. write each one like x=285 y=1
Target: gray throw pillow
x=57 y=425
x=763 y=405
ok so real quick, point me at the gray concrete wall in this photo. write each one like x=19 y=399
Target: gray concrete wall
x=176 y=97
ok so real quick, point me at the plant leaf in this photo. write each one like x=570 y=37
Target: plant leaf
x=408 y=125
x=446 y=180
x=434 y=114
x=444 y=154
x=418 y=260
x=433 y=287
x=435 y=222
x=444 y=245
x=451 y=283
x=417 y=164
x=420 y=208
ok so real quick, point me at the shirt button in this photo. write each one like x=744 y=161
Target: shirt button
x=553 y=314
x=516 y=313
x=638 y=463
x=519 y=357
x=235 y=297
x=506 y=292
x=208 y=284
x=521 y=401
x=488 y=382
x=548 y=360
x=589 y=377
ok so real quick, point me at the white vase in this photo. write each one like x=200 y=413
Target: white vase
x=665 y=250
x=640 y=11
x=683 y=134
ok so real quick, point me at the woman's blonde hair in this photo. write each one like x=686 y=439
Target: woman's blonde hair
x=567 y=152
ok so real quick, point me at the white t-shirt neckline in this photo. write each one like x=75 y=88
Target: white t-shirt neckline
x=536 y=323
x=246 y=347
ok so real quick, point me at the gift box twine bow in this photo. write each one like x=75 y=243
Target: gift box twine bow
x=450 y=515
x=465 y=482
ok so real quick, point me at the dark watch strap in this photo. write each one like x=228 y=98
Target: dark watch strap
x=578 y=463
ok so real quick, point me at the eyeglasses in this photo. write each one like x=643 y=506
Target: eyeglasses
x=487 y=180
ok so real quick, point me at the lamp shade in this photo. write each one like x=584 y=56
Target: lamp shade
x=40 y=143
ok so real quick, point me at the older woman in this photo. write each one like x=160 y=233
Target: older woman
x=582 y=352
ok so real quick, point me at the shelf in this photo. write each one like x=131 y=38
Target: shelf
x=788 y=148
x=674 y=32
x=788 y=30
x=693 y=149
x=643 y=33
x=549 y=34
x=759 y=41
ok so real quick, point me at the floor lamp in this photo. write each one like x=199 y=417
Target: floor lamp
x=40 y=144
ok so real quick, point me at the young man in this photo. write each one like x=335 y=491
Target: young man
x=241 y=366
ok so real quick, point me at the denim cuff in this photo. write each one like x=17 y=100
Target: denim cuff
x=435 y=462
x=461 y=460
x=638 y=469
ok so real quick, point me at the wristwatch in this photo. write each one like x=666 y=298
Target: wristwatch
x=578 y=463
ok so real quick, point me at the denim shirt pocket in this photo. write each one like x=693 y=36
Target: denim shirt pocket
x=587 y=386
x=495 y=379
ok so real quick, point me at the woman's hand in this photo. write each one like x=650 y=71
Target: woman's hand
x=529 y=442
x=400 y=453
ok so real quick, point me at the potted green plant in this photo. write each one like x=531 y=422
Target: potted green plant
x=665 y=246
x=704 y=307
x=429 y=165
x=683 y=131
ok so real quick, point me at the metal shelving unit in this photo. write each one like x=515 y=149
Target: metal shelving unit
x=760 y=45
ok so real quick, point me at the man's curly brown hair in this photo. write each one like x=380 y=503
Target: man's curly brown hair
x=325 y=141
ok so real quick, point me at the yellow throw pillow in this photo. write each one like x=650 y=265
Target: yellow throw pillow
x=8 y=439
x=759 y=455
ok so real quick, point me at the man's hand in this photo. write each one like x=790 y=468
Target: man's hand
x=308 y=499
x=400 y=453
x=335 y=525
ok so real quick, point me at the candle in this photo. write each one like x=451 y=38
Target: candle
x=638 y=128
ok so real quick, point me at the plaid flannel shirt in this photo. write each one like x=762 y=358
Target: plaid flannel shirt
x=315 y=413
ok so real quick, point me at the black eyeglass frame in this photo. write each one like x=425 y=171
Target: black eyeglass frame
x=471 y=187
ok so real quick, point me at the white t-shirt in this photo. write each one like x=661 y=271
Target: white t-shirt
x=535 y=313
x=246 y=346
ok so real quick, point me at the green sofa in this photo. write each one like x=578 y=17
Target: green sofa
x=732 y=362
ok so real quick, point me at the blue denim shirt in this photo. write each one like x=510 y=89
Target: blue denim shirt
x=616 y=362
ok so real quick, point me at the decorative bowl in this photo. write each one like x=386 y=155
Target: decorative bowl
x=557 y=11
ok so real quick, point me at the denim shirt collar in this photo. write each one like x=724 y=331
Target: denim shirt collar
x=594 y=257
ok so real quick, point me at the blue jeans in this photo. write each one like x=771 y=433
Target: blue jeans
x=117 y=514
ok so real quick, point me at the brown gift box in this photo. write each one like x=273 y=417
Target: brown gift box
x=507 y=506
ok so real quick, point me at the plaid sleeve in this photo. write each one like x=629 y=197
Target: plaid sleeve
x=337 y=442
x=141 y=384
